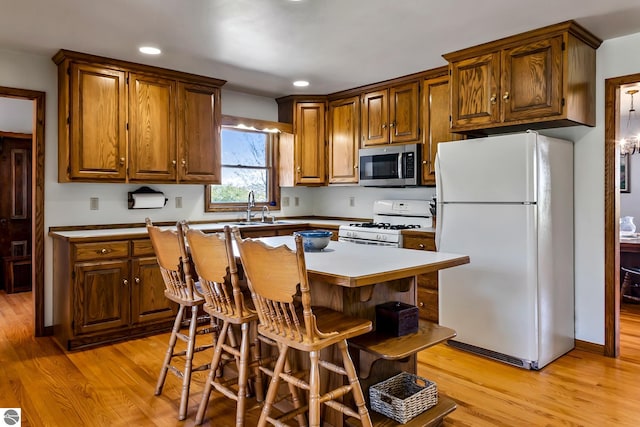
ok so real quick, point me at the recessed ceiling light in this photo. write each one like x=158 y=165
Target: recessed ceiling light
x=149 y=50
x=301 y=83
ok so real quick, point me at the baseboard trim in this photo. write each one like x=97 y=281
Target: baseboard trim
x=589 y=346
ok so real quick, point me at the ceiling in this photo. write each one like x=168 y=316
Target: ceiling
x=262 y=46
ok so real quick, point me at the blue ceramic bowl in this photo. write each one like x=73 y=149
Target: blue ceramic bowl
x=315 y=240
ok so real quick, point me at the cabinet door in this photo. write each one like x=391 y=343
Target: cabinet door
x=474 y=91
x=148 y=302
x=198 y=134
x=97 y=122
x=532 y=80
x=435 y=113
x=101 y=297
x=375 y=117
x=310 y=143
x=344 y=140
x=152 y=136
x=404 y=104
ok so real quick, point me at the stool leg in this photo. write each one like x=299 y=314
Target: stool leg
x=188 y=365
x=314 y=390
x=243 y=375
x=169 y=354
x=356 y=389
x=273 y=385
x=257 y=360
x=215 y=362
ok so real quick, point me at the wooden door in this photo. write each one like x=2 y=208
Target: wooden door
x=309 y=152
x=97 y=122
x=101 y=296
x=532 y=80
x=344 y=140
x=474 y=91
x=375 y=118
x=15 y=197
x=152 y=136
x=199 y=113
x=404 y=119
x=148 y=303
x=435 y=113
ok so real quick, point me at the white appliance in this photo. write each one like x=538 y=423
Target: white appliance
x=507 y=202
x=390 y=217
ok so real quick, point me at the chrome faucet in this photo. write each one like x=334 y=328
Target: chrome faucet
x=265 y=208
x=251 y=202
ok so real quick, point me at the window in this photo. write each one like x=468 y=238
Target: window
x=248 y=164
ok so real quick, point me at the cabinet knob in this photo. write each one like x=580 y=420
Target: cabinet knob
x=121 y=161
x=125 y=282
x=137 y=280
x=425 y=162
x=298 y=169
x=420 y=304
x=421 y=245
x=493 y=98
x=392 y=124
x=355 y=166
x=506 y=96
x=174 y=163
x=384 y=126
x=184 y=163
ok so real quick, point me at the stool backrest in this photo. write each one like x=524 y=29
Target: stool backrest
x=279 y=285
x=173 y=260
x=212 y=255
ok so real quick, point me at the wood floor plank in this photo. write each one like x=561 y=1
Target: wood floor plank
x=113 y=385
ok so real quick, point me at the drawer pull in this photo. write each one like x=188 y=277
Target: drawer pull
x=421 y=245
x=104 y=251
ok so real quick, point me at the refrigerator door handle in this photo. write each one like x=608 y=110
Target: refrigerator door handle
x=439 y=216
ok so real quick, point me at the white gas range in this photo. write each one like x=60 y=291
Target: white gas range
x=390 y=217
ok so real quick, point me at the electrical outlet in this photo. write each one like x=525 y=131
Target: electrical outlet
x=285 y=202
x=296 y=201
x=178 y=202
x=352 y=201
x=94 y=203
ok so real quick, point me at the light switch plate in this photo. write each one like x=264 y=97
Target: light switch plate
x=94 y=203
x=178 y=202
x=285 y=201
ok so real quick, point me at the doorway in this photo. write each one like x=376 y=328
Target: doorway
x=612 y=212
x=37 y=200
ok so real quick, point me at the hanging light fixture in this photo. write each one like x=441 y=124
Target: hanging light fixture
x=630 y=144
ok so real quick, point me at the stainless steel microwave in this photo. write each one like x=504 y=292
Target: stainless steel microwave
x=390 y=166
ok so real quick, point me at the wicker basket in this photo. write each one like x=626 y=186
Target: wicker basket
x=402 y=397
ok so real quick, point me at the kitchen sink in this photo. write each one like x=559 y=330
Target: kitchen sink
x=259 y=223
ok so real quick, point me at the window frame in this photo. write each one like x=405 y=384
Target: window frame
x=254 y=125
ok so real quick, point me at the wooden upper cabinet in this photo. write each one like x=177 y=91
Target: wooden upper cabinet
x=344 y=140
x=199 y=122
x=305 y=152
x=539 y=79
x=96 y=132
x=435 y=116
x=152 y=139
x=125 y=122
x=391 y=115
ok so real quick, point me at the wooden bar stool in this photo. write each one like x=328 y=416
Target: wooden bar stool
x=174 y=262
x=279 y=285
x=215 y=264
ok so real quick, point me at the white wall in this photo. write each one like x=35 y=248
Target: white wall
x=68 y=204
x=16 y=115
x=630 y=202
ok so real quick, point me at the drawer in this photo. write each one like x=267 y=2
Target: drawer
x=142 y=247
x=428 y=305
x=101 y=250
x=428 y=281
x=420 y=243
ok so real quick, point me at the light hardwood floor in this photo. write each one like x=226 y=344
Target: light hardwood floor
x=113 y=385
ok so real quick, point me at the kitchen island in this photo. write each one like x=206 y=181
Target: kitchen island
x=354 y=279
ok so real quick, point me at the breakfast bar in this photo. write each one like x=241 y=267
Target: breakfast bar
x=354 y=279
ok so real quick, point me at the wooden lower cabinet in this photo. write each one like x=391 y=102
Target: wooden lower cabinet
x=427 y=301
x=107 y=291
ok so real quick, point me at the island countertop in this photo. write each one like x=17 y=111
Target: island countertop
x=354 y=265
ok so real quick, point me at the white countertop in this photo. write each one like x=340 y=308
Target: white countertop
x=351 y=264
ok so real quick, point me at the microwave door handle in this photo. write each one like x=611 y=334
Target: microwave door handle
x=400 y=171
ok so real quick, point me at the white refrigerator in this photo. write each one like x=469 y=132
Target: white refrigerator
x=507 y=202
